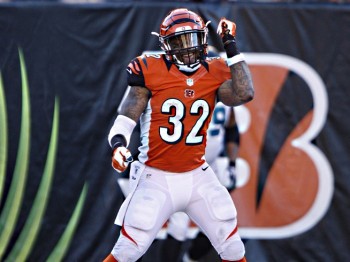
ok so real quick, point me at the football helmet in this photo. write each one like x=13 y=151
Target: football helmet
x=184 y=37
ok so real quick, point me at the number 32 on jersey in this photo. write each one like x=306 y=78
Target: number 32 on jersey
x=198 y=108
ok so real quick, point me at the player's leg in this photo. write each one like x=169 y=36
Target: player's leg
x=212 y=208
x=177 y=230
x=148 y=210
x=170 y=249
x=199 y=247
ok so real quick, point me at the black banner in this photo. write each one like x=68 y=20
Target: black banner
x=63 y=77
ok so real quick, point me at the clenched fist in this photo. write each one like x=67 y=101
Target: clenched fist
x=227 y=31
x=226 y=27
x=121 y=158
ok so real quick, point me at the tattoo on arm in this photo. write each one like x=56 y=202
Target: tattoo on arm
x=239 y=89
x=135 y=103
x=241 y=78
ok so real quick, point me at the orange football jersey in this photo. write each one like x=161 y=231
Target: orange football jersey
x=175 y=122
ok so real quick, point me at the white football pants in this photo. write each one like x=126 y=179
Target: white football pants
x=159 y=194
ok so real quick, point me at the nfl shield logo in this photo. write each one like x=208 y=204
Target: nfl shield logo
x=189 y=82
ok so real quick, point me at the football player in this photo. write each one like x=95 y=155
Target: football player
x=174 y=95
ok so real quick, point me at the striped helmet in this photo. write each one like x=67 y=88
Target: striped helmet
x=184 y=37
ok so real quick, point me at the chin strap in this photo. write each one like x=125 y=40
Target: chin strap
x=189 y=68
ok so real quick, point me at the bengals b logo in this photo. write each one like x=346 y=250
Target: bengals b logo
x=285 y=181
x=189 y=93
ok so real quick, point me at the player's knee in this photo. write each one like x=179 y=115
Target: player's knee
x=127 y=250
x=232 y=249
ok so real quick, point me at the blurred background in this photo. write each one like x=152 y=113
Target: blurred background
x=62 y=78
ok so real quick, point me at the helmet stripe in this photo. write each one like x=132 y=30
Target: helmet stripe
x=182 y=20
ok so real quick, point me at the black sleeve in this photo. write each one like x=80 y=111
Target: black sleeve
x=134 y=74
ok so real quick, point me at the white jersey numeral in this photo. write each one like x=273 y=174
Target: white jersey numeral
x=175 y=120
x=194 y=136
x=176 y=109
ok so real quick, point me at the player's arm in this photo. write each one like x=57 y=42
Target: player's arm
x=129 y=113
x=232 y=146
x=231 y=138
x=135 y=103
x=120 y=133
x=239 y=89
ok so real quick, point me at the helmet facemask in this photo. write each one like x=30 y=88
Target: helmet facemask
x=186 y=47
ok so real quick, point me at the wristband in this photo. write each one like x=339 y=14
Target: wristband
x=234 y=60
x=117 y=141
x=230 y=45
